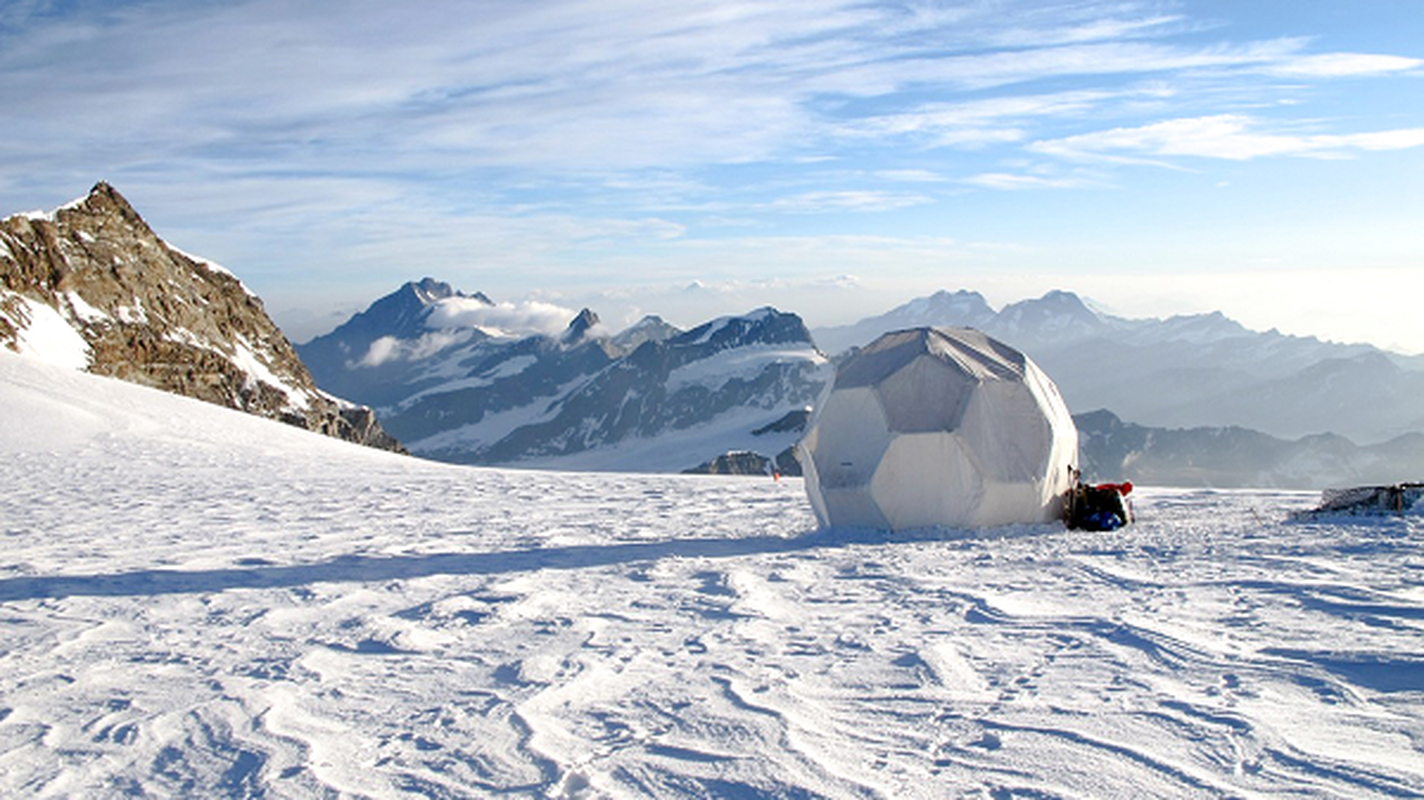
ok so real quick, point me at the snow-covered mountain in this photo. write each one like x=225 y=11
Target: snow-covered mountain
x=964 y=308
x=1233 y=407
x=200 y=602
x=651 y=397
x=380 y=352
x=91 y=286
x=1237 y=457
x=1201 y=370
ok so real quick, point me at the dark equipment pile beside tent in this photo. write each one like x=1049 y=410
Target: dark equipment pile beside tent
x=1398 y=500
x=1103 y=507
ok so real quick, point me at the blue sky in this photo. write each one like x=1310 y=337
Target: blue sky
x=832 y=158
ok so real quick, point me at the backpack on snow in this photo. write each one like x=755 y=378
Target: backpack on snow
x=1103 y=507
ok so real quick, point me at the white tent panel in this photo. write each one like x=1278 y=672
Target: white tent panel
x=1005 y=426
x=928 y=479
x=980 y=357
x=927 y=394
x=1064 y=454
x=850 y=438
x=1008 y=503
x=881 y=359
x=851 y=507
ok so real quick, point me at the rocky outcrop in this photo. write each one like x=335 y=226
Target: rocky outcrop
x=580 y=327
x=750 y=462
x=150 y=314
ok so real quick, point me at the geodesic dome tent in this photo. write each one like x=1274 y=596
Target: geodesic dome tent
x=939 y=427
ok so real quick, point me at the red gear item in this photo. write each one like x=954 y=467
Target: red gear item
x=1124 y=488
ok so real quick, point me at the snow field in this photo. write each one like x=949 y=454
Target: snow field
x=197 y=602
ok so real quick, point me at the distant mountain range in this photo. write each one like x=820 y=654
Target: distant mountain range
x=731 y=395
x=1235 y=457
x=652 y=397
x=1194 y=400
x=1189 y=371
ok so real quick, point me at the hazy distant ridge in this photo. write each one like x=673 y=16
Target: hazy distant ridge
x=1201 y=370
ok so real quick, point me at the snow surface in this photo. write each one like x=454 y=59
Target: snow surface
x=495 y=425
x=675 y=450
x=742 y=363
x=195 y=602
x=504 y=369
x=49 y=336
x=82 y=309
x=52 y=216
x=717 y=325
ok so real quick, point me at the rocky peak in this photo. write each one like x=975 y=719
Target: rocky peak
x=764 y=326
x=1056 y=317
x=1056 y=305
x=579 y=327
x=428 y=290
x=963 y=308
x=959 y=309
x=401 y=313
x=651 y=328
x=145 y=312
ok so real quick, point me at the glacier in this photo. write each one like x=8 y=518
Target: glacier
x=199 y=602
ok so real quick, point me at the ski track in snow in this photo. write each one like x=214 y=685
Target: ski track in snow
x=197 y=603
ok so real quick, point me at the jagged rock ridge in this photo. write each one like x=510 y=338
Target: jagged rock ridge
x=652 y=397
x=758 y=366
x=140 y=310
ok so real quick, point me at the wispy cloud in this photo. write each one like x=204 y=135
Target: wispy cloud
x=554 y=141
x=389 y=349
x=910 y=176
x=366 y=86
x=1008 y=180
x=1345 y=65
x=997 y=120
x=1224 y=136
x=522 y=318
x=453 y=321
x=861 y=201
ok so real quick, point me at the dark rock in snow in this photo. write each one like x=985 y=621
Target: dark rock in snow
x=1372 y=501
x=580 y=326
x=746 y=462
x=794 y=422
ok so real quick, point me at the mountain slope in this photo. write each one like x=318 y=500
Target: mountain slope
x=964 y=309
x=376 y=356
x=93 y=287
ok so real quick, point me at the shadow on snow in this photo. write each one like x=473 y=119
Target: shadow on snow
x=256 y=573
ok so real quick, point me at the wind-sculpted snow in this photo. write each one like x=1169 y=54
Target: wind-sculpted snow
x=195 y=602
